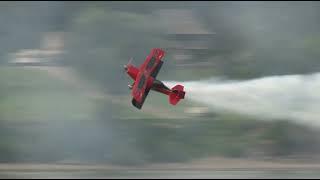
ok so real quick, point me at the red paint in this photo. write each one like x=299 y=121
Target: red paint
x=144 y=79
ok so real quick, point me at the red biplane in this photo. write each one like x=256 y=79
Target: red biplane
x=145 y=80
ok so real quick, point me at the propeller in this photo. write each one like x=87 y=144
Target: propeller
x=130 y=60
x=125 y=69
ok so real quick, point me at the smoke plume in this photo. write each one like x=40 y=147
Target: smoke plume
x=291 y=97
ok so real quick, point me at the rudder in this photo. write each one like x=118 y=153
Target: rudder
x=176 y=94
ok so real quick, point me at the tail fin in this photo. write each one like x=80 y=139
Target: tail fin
x=176 y=94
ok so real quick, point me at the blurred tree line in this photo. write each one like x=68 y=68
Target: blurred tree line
x=253 y=38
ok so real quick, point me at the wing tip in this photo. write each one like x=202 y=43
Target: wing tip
x=136 y=104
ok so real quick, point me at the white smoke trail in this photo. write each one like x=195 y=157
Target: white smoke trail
x=291 y=97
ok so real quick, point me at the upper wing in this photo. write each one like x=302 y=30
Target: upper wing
x=153 y=62
x=147 y=72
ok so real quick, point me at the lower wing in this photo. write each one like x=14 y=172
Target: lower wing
x=140 y=104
